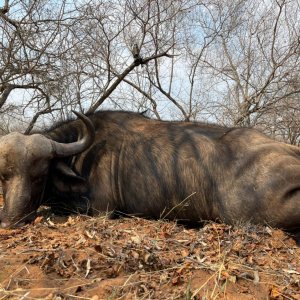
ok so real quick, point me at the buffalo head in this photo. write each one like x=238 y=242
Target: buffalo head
x=24 y=166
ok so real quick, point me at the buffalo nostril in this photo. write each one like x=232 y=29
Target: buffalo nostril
x=4 y=224
x=4 y=220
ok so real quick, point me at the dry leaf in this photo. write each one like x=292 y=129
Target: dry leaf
x=269 y=230
x=185 y=253
x=135 y=254
x=225 y=274
x=163 y=277
x=136 y=239
x=91 y=235
x=50 y=222
x=276 y=294
x=146 y=257
x=176 y=280
x=250 y=259
x=38 y=220
x=88 y=267
x=291 y=271
x=256 y=277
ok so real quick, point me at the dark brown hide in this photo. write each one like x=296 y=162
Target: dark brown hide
x=191 y=171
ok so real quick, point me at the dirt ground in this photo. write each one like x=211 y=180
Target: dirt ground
x=79 y=257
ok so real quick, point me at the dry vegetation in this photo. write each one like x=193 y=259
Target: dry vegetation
x=96 y=258
x=230 y=62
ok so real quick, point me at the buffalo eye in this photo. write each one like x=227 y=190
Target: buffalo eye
x=6 y=174
x=4 y=177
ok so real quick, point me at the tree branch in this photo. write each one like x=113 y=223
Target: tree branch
x=120 y=78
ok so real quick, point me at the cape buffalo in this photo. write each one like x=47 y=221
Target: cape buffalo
x=123 y=161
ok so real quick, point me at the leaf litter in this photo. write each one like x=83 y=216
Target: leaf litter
x=80 y=257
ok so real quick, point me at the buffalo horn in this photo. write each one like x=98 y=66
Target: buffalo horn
x=69 y=149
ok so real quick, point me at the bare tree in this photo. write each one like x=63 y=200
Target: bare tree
x=255 y=55
x=33 y=36
x=69 y=55
x=235 y=62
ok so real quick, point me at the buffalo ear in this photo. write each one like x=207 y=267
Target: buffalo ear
x=66 y=180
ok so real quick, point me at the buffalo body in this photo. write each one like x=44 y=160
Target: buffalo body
x=128 y=163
